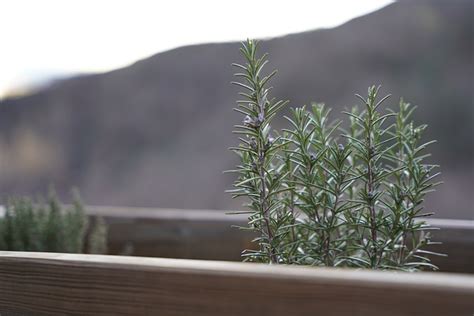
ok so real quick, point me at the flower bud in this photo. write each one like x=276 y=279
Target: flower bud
x=372 y=151
x=254 y=167
x=370 y=195
x=253 y=143
x=248 y=121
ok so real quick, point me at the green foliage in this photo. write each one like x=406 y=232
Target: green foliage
x=318 y=198
x=29 y=226
x=98 y=237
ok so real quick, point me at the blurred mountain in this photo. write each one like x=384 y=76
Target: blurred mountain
x=155 y=133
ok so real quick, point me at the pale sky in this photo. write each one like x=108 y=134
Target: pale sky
x=44 y=39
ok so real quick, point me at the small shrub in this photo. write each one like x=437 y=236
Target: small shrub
x=29 y=226
x=98 y=237
x=316 y=198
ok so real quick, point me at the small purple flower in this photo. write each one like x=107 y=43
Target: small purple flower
x=248 y=121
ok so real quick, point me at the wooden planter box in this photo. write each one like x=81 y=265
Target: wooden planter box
x=211 y=235
x=59 y=284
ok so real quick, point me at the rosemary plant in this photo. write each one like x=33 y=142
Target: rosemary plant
x=318 y=198
x=29 y=226
x=259 y=180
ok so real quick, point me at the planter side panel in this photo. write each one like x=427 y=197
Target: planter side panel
x=211 y=235
x=58 y=284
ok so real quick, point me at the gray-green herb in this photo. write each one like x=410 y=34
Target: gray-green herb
x=30 y=226
x=319 y=199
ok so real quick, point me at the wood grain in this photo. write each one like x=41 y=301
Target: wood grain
x=67 y=284
x=209 y=234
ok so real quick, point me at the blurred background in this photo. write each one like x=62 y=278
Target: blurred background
x=132 y=103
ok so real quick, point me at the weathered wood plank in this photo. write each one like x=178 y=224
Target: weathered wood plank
x=208 y=234
x=170 y=233
x=457 y=237
x=58 y=284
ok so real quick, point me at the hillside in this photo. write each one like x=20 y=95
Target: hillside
x=155 y=133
